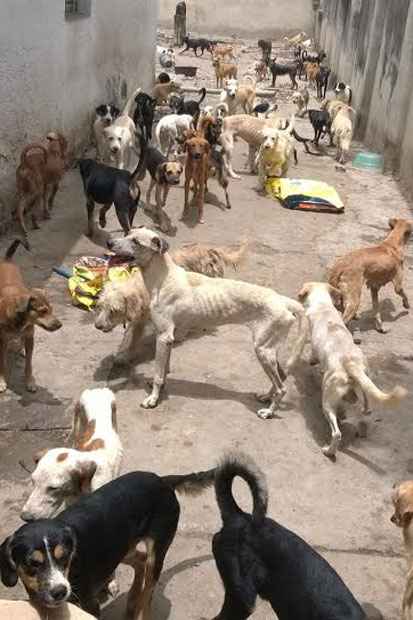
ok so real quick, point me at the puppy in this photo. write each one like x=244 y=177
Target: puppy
x=236 y=95
x=224 y=71
x=144 y=113
x=342 y=132
x=105 y=116
x=31 y=185
x=170 y=128
x=198 y=150
x=342 y=362
x=161 y=92
x=402 y=497
x=75 y=554
x=21 y=309
x=275 y=153
x=62 y=475
x=256 y=556
x=343 y=92
x=182 y=300
x=375 y=266
x=119 y=137
x=301 y=100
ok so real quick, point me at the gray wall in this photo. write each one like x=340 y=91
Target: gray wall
x=370 y=46
x=54 y=71
x=242 y=17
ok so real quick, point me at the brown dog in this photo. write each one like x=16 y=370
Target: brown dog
x=196 y=170
x=403 y=517
x=162 y=91
x=223 y=70
x=30 y=182
x=376 y=266
x=56 y=145
x=21 y=308
x=222 y=51
x=312 y=69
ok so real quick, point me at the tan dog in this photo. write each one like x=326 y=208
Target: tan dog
x=223 y=51
x=301 y=100
x=224 y=70
x=30 y=183
x=342 y=130
x=197 y=171
x=402 y=497
x=161 y=92
x=312 y=69
x=27 y=610
x=375 y=266
x=342 y=362
x=236 y=95
x=21 y=309
x=275 y=153
x=55 y=166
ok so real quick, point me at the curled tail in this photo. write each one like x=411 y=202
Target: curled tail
x=13 y=247
x=357 y=373
x=191 y=484
x=299 y=312
x=139 y=173
x=239 y=464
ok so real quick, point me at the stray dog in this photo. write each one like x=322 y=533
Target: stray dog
x=301 y=100
x=144 y=113
x=289 y=69
x=224 y=70
x=343 y=93
x=62 y=475
x=376 y=266
x=265 y=46
x=223 y=51
x=256 y=556
x=21 y=309
x=237 y=95
x=194 y=44
x=312 y=70
x=321 y=80
x=170 y=128
x=56 y=145
x=106 y=185
x=31 y=184
x=163 y=78
x=106 y=114
x=198 y=150
x=264 y=108
x=162 y=91
x=185 y=300
x=342 y=131
x=250 y=130
x=188 y=106
x=26 y=610
x=211 y=128
x=67 y=557
x=402 y=497
x=120 y=135
x=321 y=122
x=342 y=362
x=275 y=153
x=166 y=56
x=261 y=70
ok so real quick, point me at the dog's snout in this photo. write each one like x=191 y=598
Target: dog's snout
x=109 y=244
x=27 y=516
x=59 y=593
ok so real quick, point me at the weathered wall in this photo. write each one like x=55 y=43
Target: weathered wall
x=370 y=46
x=54 y=71
x=242 y=17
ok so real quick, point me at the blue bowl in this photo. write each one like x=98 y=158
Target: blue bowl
x=369 y=161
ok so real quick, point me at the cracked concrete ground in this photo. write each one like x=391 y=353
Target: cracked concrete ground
x=343 y=508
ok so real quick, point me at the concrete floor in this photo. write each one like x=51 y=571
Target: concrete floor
x=343 y=508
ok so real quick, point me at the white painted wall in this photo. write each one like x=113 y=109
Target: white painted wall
x=242 y=17
x=53 y=71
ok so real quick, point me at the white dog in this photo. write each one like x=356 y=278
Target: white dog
x=342 y=130
x=182 y=300
x=342 y=362
x=166 y=56
x=170 y=128
x=105 y=116
x=275 y=153
x=63 y=474
x=120 y=136
x=236 y=95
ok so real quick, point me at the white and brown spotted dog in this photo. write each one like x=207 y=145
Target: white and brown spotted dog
x=62 y=475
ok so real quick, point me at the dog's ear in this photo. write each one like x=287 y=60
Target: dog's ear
x=302 y=295
x=37 y=456
x=83 y=474
x=336 y=296
x=403 y=510
x=14 y=309
x=160 y=245
x=392 y=222
x=7 y=566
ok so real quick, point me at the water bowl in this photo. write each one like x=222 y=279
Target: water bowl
x=369 y=161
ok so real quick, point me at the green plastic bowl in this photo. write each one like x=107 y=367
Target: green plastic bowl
x=369 y=161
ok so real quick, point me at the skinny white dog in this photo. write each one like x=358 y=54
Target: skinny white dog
x=342 y=132
x=181 y=301
x=342 y=363
x=170 y=128
x=63 y=474
x=120 y=136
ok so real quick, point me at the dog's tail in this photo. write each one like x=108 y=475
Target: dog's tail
x=239 y=464
x=358 y=374
x=128 y=106
x=13 y=247
x=304 y=141
x=233 y=257
x=203 y=94
x=299 y=312
x=139 y=173
x=191 y=484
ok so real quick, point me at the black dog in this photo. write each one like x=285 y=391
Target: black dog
x=322 y=81
x=256 y=556
x=321 y=122
x=194 y=44
x=265 y=46
x=286 y=69
x=163 y=78
x=75 y=554
x=106 y=185
x=144 y=114
x=189 y=106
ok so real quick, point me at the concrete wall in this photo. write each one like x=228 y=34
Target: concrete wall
x=54 y=71
x=370 y=46
x=242 y=17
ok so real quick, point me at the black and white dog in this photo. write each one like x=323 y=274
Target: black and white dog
x=344 y=93
x=105 y=115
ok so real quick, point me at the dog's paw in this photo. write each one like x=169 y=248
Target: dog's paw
x=31 y=386
x=329 y=451
x=406 y=304
x=265 y=414
x=150 y=402
x=3 y=385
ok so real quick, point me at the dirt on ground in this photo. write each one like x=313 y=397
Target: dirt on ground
x=342 y=508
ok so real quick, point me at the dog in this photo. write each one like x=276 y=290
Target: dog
x=161 y=92
x=265 y=46
x=321 y=123
x=342 y=131
x=163 y=78
x=312 y=71
x=236 y=95
x=376 y=266
x=21 y=310
x=144 y=113
x=402 y=498
x=224 y=70
x=261 y=70
x=343 y=92
x=56 y=145
x=188 y=106
x=31 y=185
x=274 y=154
x=119 y=137
x=67 y=557
x=106 y=185
x=263 y=109
x=194 y=44
x=256 y=556
x=289 y=69
x=342 y=362
x=250 y=130
x=25 y=610
x=223 y=52
x=170 y=128
x=321 y=80
x=106 y=114
x=166 y=56
x=301 y=100
x=197 y=151
x=62 y=475
x=210 y=128
x=184 y=300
